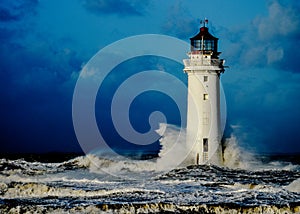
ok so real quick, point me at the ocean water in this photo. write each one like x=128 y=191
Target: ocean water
x=75 y=186
x=101 y=184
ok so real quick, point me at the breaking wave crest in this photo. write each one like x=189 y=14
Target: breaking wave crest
x=173 y=149
x=20 y=166
x=236 y=157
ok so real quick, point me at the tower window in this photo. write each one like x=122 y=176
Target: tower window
x=205 y=78
x=205 y=96
x=205 y=145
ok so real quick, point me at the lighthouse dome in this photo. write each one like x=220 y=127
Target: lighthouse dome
x=204 y=42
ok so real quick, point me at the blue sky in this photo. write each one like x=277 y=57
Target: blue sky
x=45 y=43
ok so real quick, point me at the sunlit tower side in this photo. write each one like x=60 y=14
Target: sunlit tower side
x=203 y=115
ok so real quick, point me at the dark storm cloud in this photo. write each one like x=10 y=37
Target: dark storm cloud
x=6 y=15
x=29 y=59
x=180 y=23
x=36 y=83
x=261 y=95
x=270 y=40
x=42 y=63
x=15 y=10
x=37 y=77
x=119 y=7
x=263 y=107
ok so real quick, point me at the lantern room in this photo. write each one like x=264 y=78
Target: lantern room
x=204 y=43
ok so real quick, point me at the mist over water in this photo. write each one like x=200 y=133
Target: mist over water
x=236 y=157
x=173 y=150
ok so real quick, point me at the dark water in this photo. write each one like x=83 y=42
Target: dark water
x=88 y=184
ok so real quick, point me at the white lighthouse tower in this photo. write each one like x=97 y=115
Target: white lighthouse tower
x=203 y=115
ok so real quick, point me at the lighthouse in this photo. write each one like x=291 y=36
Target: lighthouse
x=204 y=69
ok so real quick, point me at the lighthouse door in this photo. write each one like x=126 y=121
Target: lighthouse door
x=205 y=149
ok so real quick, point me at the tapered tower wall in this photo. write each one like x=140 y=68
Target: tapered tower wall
x=203 y=117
